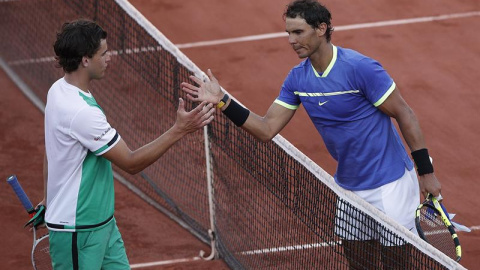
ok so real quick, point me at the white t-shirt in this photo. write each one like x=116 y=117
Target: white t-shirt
x=80 y=181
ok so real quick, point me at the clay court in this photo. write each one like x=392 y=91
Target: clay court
x=431 y=49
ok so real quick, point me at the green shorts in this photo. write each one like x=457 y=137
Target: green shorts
x=101 y=248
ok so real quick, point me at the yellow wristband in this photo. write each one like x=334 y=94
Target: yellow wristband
x=223 y=101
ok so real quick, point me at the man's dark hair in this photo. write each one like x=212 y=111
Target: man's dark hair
x=313 y=12
x=75 y=40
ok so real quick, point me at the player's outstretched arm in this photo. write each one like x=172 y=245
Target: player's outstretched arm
x=187 y=122
x=263 y=128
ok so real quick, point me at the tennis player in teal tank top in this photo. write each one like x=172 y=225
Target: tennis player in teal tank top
x=80 y=147
x=351 y=100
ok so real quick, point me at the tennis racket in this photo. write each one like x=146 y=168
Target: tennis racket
x=41 y=246
x=435 y=227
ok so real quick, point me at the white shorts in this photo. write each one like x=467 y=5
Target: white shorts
x=398 y=200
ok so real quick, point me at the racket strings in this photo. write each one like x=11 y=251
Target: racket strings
x=41 y=250
x=436 y=233
x=41 y=255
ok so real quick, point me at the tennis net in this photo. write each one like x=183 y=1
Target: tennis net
x=268 y=205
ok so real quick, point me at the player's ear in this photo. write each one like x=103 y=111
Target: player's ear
x=85 y=61
x=321 y=29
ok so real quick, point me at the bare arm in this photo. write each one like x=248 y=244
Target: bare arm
x=264 y=128
x=396 y=107
x=187 y=122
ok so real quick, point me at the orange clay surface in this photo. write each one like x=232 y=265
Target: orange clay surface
x=435 y=65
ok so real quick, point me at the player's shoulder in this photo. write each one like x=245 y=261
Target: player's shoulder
x=61 y=97
x=62 y=88
x=355 y=60
x=68 y=99
x=302 y=67
x=350 y=55
x=56 y=87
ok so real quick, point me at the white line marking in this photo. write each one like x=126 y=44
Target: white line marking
x=31 y=61
x=338 y=28
x=150 y=264
x=265 y=36
x=308 y=246
x=290 y=248
x=112 y=53
x=475 y=228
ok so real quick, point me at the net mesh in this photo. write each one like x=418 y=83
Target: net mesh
x=273 y=207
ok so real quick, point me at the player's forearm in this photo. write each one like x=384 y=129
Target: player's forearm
x=413 y=136
x=244 y=118
x=264 y=128
x=259 y=127
x=149 y=153
x=411 y=131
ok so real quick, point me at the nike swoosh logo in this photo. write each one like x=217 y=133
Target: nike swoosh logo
x=322 y=103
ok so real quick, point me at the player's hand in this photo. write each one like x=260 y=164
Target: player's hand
x=430 y=184
x=43 y=202
x=38 y=220
x=209 y=91
x=195 y=119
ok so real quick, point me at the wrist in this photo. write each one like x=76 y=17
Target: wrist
x=223 y=101
x=422 y=161
x=236 y=112
x=176 y=132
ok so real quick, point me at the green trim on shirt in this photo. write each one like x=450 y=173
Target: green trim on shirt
x=90 y=100
x=385 y=96
x=286 y=105
x=330 y=66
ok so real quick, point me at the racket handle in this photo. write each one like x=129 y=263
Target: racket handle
x=22 y=196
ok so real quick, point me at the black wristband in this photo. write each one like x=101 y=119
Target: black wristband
x=422 y=161
x=237 y=113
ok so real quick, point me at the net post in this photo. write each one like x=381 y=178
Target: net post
x=211 y=231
